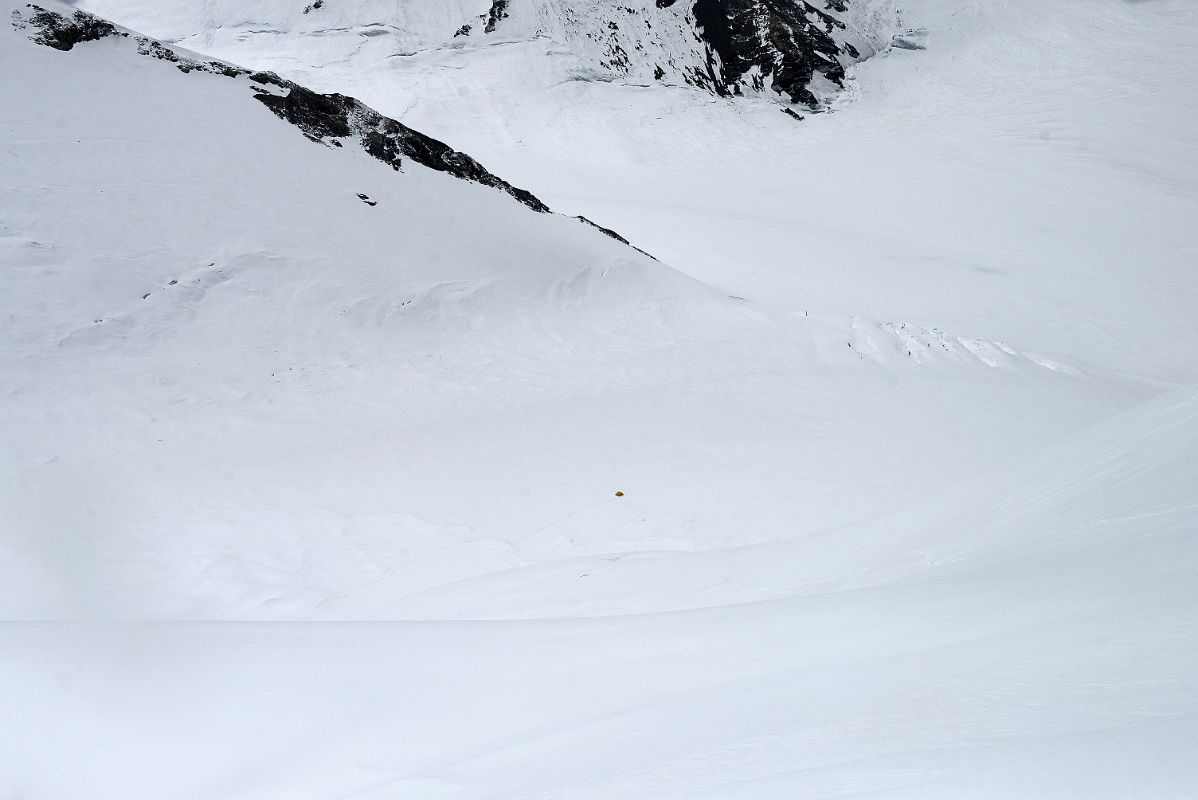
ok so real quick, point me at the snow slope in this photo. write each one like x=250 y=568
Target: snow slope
x=180 y=256
x=338 y=405
x=1042 y=645
x=1035 y=160
x=910 y=515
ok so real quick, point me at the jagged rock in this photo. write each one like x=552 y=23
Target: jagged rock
x=794 y=50
x=61 y=33
x=788 y=42
x=333 y=116
x=610 y=233
x=497 y=12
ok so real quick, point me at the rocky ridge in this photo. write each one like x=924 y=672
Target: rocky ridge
x=325 y=118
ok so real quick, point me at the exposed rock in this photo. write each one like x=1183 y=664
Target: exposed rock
x=787 y=41
x=61 y=33
x=607 y=231
x=334 y=116
x=796 y=51
x=497 y=12
x=613 y=235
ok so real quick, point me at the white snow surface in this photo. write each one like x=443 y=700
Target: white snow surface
x=306 y=498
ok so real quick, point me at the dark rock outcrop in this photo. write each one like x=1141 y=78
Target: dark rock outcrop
x=336 y=116
x=789 y=42
x=497 y=12
x=612 y=234
x=795 y=50
x=63 y=33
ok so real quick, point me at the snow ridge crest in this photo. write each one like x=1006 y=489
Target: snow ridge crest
x=324 y=118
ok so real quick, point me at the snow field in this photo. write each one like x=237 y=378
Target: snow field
x=904 y=421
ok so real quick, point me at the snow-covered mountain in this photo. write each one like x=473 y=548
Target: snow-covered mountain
x=793 y=50
x=878 y=479
x=228 y=261
x=967 y=190
x=197 y=231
